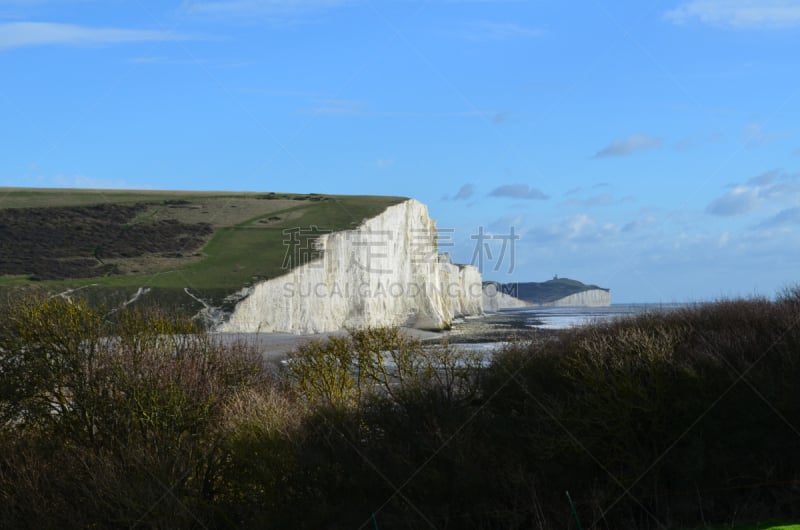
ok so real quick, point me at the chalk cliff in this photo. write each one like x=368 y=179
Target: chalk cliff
x=494 y=299
x=591 y=298
x=384 y=273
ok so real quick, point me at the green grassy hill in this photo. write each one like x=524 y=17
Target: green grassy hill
x=119 y=240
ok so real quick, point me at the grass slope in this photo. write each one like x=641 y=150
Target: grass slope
x=546 y=292
x=246 y=242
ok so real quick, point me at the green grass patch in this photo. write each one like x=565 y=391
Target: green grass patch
x=46 y=197
x=247 y=244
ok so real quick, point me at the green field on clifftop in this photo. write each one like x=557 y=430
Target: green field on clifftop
x=220 y=241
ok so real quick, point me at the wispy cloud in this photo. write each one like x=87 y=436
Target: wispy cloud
x=774 y=186
x=464 y=193
x=786 y=217
x=739 y=14
x=643 y=221
x=628 y=146
x=595 y=200
x=739 y=200
x=755 y=135
x=766 y=178
x=22 y=34
x=518 y=191
x=578 y=228
x=504 y=225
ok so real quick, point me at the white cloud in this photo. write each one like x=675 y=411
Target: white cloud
x=766 y=178
x=504 y=225
x=21 y=34
x=739 y=14
x=773 y=187
x=755 y=135
x=738 y=201
x=464 y=193
x=640 y=223
x=628 y=146
x=578 y=228
x=784 y=218
x=518 y=191
x=575 y=226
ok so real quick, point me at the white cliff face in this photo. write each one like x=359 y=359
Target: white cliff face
x=590 y=298
x=463 y=287
x=471 y=290
x=495 y=300
x=384 y=273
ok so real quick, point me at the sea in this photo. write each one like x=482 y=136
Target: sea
x=568 y=317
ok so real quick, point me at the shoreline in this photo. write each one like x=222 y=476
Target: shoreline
x=485 y=329
x=504 y=326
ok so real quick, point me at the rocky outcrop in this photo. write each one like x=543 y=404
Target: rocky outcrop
x=494 y=299
x=384 y=273
x=590 y=298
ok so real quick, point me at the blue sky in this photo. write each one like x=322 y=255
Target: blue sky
x=649 y=147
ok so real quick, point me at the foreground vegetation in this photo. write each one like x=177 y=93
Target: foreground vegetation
x=136 y=419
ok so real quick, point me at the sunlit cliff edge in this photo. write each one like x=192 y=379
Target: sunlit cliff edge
x=386 y=272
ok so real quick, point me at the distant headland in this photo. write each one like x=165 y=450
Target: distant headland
x=555 y=292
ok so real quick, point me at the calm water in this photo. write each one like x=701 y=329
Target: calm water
x=567 y=317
